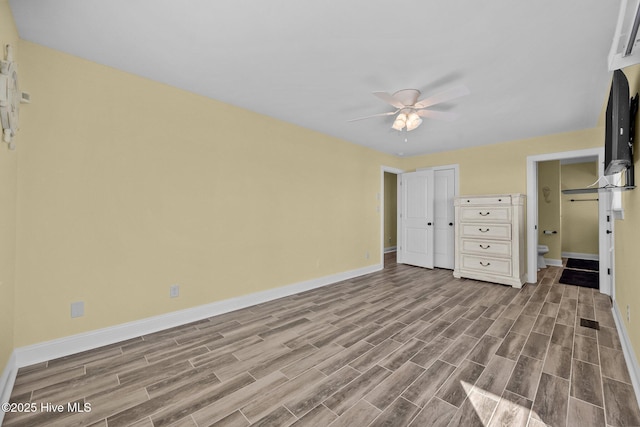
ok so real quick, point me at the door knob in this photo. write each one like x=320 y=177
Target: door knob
x=608 y=231
x=451 y=224
x=428 y=223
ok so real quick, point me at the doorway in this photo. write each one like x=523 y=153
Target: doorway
x=567 y=223
x=388 y=206
x=390 y=221
x=534 y=196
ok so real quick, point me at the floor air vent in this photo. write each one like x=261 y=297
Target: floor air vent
x=589 y=324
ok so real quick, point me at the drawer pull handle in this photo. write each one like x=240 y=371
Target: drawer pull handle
x=484 y=214
x=485 y=265
x=483 y=231
x=485 y=247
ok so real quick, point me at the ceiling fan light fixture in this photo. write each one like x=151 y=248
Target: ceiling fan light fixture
x=413 y=121
x=400 y=122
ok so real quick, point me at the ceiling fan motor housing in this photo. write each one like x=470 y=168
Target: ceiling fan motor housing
x=407 y=97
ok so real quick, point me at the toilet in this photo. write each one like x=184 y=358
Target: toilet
x=542 y=250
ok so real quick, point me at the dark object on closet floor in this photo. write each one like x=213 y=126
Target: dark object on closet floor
x=583 y=264
x=587 y=279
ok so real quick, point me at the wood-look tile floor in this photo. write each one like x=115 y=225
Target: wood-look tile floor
x=401 y=347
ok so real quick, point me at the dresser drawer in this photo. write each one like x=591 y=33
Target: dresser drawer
x=486 y=265
x=497 y=200
x=493 y=214
x=486 y=247
x=486 y=231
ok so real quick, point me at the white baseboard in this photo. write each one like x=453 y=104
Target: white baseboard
x=627 y=349
x=41 y=352
x=6 y=381
x=390 y=249
x=578 y=255
x=553 y=262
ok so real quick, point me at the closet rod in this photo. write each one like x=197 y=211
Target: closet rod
x=584 y=200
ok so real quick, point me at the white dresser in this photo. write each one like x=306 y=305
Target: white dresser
x=489 y=232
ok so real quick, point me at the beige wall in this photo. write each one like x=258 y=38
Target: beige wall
x=549 y=208
x=390 y=209
x=502 y=168
x=128 y=186
x=579 y=218
x=8 y=195
x=627 y=242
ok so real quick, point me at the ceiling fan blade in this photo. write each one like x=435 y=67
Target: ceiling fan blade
x=445 y=96
x=438 y=115
x=389 y=99
x=390 y=113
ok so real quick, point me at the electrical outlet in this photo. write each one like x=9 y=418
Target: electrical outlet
x=366 y=256
x=174 y=291
x=77 y=309
x=628 y=314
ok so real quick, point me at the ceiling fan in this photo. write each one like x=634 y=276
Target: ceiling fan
x=410 y=111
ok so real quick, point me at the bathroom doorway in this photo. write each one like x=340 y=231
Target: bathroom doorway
x=535 y=196
x=567 y=223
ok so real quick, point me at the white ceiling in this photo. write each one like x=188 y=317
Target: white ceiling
x=533 y=67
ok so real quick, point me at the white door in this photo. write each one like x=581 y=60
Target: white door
x=416 y=216
x=444 y=236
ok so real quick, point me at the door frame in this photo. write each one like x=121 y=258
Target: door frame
x=381 y=206
x=532 y=213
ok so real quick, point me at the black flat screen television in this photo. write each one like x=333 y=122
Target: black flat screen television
x=617 y=150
